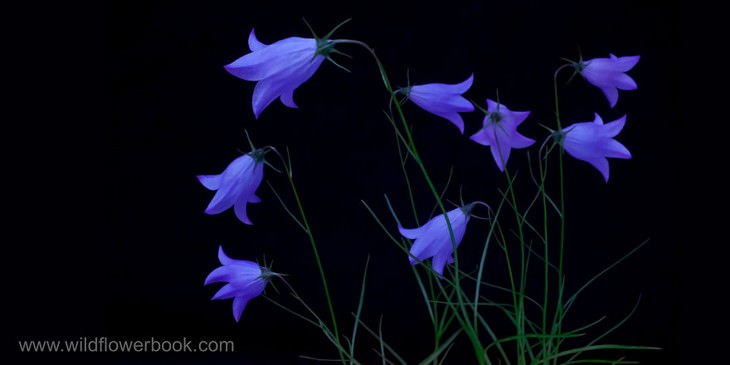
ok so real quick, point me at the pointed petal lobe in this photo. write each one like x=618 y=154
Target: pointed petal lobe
x=211 y=182
x=239 y=304
x=253 y=43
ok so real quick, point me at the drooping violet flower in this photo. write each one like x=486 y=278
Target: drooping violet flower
x=433 y=239
x=593 y=142
x=499 y=132
x=444 y=100
x=279 y=68
x=237 y=185
x=245 y=281
x=608 y=74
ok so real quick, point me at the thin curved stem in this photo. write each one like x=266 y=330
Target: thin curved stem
x=561 y=282
x=304 y=224
x=520 y=308
x=471 y=332
x=547 y=341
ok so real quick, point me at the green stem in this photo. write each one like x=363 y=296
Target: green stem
x=480 y=273
x=432 y=305
x=405 y=175
x=555 y=91
x=520 y=308
x=547 y=340
x=561 y=279
x=559 y=307
x=308 y=231
x=471 y=332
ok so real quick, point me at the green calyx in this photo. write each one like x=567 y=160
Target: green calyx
x=558 y=137
x=579 y=66
x=257 y=154
x=267 y=274
x=326 y=46
x=405 y=91
x=467 y=208
x=495 y=117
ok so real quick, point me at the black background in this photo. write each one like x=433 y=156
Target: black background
x=126 y=246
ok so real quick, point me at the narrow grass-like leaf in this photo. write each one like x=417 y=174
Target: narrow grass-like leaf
x=434 y=355
x=401 y=138
x=318 y=359
x=528 y=335
x=571 y=300
x=380 y=223
x=617 y=325
x=494 y=339
x=541 y=187
x=359 y=307
x=443 y=191
x=431 y=313
x=383 y=343
x=291 y=311
x=293 y=217
x=446 y=353
x=484 y=258
x=380 y=340
x=598 y=361
x=600 y=347
x=523 y=220
x=403 y=160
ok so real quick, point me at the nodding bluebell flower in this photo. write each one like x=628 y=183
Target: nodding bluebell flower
x=282 y=66
x=593 y=142
x=499 y=132
x=237 y=185
x=444 y=100
x=608 y=74
x=433 y=239
x=279 y=68
x=245 y=281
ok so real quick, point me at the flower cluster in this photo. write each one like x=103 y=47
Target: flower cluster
x=281 y=67
x=499 y=127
